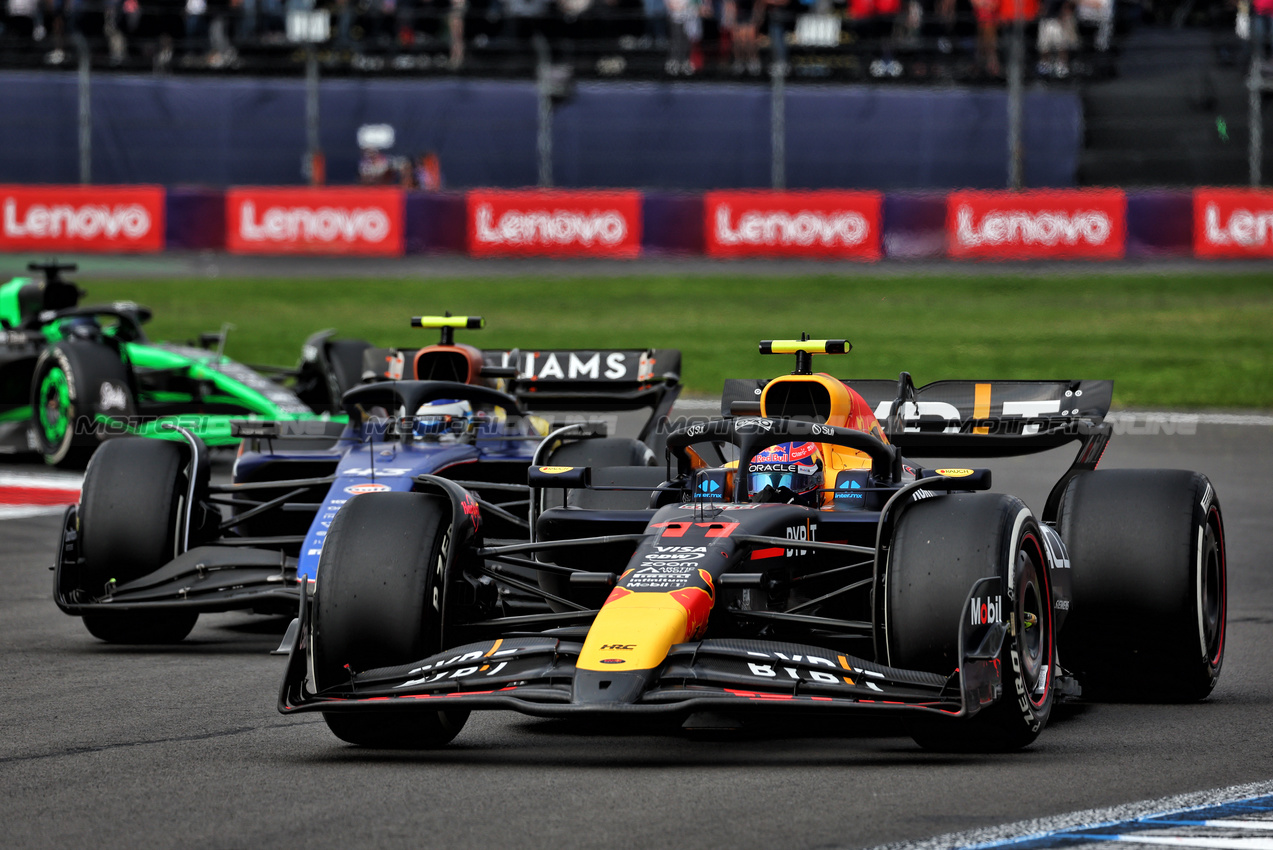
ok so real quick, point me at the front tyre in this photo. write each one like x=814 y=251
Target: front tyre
x=129 y=515
x=1147 y=551
x=379 y=602
x=72 y=382
x=941 y=547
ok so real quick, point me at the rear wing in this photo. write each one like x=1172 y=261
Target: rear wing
x=967 y=418
x=591 y=371
x=565 y=379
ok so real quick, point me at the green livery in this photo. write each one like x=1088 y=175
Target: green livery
x=72 y=375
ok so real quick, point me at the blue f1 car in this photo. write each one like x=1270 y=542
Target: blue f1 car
x=155 y=541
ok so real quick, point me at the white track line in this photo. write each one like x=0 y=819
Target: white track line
x=1020 y=831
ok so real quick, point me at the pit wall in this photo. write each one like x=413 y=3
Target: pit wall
x=1096 y=224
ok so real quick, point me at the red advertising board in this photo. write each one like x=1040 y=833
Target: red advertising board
x=1061 y=224
x=352 y=220
x=839 y=225
x=82 y=218
x=571 y=224
x=1233 y=223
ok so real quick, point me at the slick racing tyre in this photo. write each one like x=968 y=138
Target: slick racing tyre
x=345 y=359
x=73 y=382
x=379 y=602
x=1147 y=557
x=326 y=374
x=940 y=548
x=133 y=492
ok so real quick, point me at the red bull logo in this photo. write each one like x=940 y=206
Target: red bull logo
x=786 y=453
x=697 y=602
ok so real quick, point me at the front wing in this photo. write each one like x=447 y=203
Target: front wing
x=206 y=578
x=537 y=676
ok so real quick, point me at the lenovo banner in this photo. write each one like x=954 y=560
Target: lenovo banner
x=1233 y=223
x=1062 y=224
x=833 y=225
x=315 y=221
x=566 y=224
x=82 y=218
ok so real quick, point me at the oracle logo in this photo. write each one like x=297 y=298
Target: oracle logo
x=1025 y=228
x=560 y=227
x=321 y=224
x=86 y=221
x=1243 y=227
x=785 y=228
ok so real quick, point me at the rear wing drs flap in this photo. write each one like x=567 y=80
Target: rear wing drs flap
x=562 y=379
x=967 y=418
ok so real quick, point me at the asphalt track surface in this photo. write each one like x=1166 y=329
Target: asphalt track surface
x=105 y=746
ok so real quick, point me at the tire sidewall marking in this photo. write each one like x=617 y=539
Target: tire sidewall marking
x=1209 y=514
x=1034 y=716
x=57 y=451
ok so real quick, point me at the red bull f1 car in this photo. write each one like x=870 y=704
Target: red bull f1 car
x=793 y=556
x=155 y=540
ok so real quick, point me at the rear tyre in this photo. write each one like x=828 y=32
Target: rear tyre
x=324 y=376
x=128 y=519
x=379 y=603
x=1147 y=553
x=345 y=357
x=72 y=381
x=941 y=547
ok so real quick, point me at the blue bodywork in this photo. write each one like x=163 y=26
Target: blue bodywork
x=370 y=458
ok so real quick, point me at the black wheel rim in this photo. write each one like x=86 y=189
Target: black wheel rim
x=1034 y=627
x=1213 y=592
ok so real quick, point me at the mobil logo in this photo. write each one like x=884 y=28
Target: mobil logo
x=987 y=609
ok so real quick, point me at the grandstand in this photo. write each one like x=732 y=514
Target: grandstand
x=880 y=94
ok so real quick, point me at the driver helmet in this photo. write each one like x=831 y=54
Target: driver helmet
x=443 y=417
x=795 y=468
x=80 y=327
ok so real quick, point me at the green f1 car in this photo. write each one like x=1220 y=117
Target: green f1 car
x=72 y=376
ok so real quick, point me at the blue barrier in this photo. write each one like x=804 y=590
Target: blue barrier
x=659 y=136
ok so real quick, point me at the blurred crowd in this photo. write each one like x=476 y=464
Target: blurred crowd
x=422 y=172
x=881 y=38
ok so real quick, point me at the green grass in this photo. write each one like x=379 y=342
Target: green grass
x=1168 y=341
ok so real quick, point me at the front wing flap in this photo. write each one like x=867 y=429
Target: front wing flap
x=205 y=578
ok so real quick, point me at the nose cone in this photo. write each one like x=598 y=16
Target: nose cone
x=634 y=633
x=626 y=644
